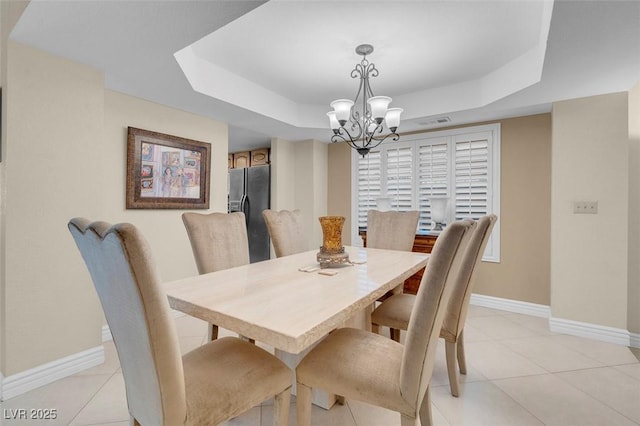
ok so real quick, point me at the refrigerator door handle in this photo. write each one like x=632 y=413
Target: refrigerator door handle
x=244 y=208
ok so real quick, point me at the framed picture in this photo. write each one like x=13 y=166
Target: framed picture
x=166 y=172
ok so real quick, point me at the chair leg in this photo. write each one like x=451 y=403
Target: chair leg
x=408 y=421
x=395 y=334
x=450 y=352
x=281 y=408
x=303 y=404
x=340 y=400
x=425 y=410
x=462 y=361
x=212 y=332
x=375 y=328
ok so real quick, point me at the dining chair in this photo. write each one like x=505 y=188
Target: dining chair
x=396 y=311
x=371 y=368
x=213 y=383
x=392 y=230
x=219 y=241
x=285 y=230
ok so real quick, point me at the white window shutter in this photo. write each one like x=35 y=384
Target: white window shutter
x=399 y=178
x=471 y=175
x=369 y=184
x=460 y=164
x=433 y=178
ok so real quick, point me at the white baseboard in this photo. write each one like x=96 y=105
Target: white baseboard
x=106 y=334
x=558 y=325
x=44 y=374
x=602 y=333
x=509 y=305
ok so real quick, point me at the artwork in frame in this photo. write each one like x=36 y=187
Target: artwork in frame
x=166 y=172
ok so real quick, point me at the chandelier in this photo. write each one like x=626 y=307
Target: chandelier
x=360 y=122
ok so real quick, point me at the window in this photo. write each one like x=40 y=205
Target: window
x=462 y=165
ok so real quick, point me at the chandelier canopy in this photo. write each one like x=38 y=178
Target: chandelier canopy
x=361 y=122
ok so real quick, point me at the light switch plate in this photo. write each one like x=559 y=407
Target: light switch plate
x=585 y=207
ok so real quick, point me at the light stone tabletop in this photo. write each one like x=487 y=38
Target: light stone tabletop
x=275 y=303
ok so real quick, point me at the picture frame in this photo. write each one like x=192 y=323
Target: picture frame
x=166 y=172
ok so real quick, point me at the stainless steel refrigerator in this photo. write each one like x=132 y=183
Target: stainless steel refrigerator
x=250 y=193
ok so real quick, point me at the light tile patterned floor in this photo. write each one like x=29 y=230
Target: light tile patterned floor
x=519 y=373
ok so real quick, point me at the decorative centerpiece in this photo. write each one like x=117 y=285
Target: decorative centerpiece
x=332 y=251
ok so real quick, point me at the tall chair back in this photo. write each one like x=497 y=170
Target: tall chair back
x=137 y=311
x=219 y=240
x=429 y=310
x=458 y=307
x=391 y=230
x=285 y=230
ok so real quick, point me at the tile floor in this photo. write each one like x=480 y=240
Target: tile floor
x=519 y=374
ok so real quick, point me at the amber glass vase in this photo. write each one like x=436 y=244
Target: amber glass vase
x=332 y=250
x=332 y=233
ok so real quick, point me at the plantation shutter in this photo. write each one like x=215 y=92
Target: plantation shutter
x=369 y=184
x=471 y=174
x=399 y=178
x=433 y=178
x=460 y=165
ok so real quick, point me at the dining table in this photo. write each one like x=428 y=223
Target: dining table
x=290 y=303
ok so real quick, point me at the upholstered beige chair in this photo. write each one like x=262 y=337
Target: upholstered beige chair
x=285 y=230
x=219 y=241
x=396 y=311
x=391 y=230
x=368 y=367
x=206 y=386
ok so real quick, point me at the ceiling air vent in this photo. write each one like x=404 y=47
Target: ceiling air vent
x=436 y=121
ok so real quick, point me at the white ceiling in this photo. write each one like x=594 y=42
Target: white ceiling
x=271 y=68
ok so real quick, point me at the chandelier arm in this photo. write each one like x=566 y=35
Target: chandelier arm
x=394 y=137
x=340 y=135
x=378 y=129
x=355 y=125
x=337 y=137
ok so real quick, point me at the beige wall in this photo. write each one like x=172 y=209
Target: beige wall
x=299 y=181
x=523 y=272
x=162 y=228
x=53 y=172
x=10 y=12
x=283 y=175
x=633 y=262
x=65 y=157
x=589 y=252
x=339 y=183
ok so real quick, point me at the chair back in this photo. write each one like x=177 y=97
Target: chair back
x=429 y=309
x=391 y=230
x=218 y=240
x=137 y=311
x=285 y=230
x=458 y=306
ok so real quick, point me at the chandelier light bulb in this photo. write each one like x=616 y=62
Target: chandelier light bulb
x=379 y=105
x=333 y=121
x=393 y=118
x=342 y=108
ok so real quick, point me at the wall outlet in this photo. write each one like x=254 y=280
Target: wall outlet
x=585 y=207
